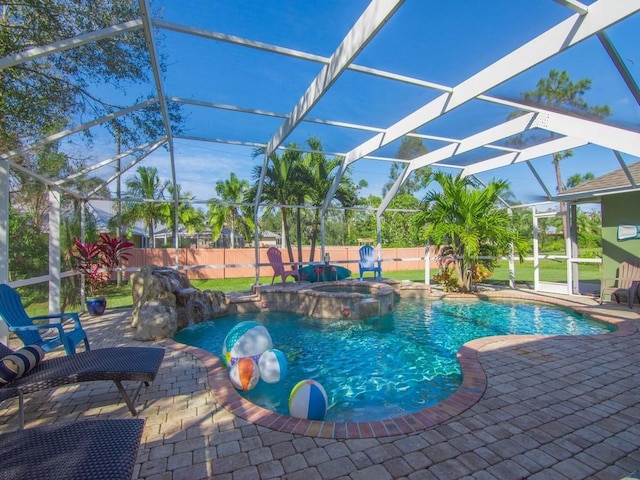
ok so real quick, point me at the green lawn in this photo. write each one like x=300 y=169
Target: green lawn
x=551 y=271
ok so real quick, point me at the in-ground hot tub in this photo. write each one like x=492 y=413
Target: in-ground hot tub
x=343 y=299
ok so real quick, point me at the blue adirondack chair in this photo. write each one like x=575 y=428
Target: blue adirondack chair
x=368 y=262
x=28 y=328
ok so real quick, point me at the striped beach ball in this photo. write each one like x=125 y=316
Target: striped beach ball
x=244 y=374
x=273 y=366
x=246 y=339
x=308 y=400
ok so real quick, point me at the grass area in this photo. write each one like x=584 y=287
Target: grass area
x=551 y=271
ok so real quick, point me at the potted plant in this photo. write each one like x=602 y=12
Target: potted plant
x=95 y=261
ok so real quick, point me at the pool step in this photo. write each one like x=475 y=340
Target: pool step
x=368 y=308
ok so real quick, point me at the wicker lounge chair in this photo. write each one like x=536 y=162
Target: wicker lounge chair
x=116 y=364
x=92 y=450
x=28 y=328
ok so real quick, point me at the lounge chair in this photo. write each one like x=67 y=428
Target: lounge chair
x=368 y=262
x=275 y=259
x=91 y=449
x=28 y=328
x=117 y=364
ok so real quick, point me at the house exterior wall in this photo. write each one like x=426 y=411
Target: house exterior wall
x=620 y=209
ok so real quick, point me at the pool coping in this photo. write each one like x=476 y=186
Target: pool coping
x=471 y=390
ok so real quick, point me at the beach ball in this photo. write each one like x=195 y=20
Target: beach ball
x=308 y=400
x=244 y=374
x=273 y=366
x=246 y=339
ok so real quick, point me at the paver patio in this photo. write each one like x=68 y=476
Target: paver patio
x=553 y=408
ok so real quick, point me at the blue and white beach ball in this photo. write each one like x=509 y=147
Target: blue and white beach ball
x=308 y=400
x=246 y=339
x=273 y=366
x=244 y=374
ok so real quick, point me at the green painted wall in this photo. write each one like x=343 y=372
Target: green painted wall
x=618 y=209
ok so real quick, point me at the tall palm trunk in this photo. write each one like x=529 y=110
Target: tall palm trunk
x=299 y=233
x=152 y=239
x=560 y=185
x=314 y=234
x=287 y=237
x=233 y=231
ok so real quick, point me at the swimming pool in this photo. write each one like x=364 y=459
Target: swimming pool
x=392 y=365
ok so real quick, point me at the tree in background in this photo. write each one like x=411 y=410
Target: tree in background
x=559 y=92
x=280 y=187
x=589 y=232
x=318 y=173
x=29 y=214
x=398 y=227
x=44 y=96
x=363 y=220
x=226 y=209
x=303 y=179
x=189 y=217
x=468 y=222
x=589 y=223
x=144 y=191
x=411 y=147
x=61 y=86
x=578 y=179
x=31 y=258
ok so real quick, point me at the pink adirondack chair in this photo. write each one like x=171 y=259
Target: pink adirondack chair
x=275 y=259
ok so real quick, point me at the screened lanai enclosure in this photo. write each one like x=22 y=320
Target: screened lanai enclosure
x=204 y=90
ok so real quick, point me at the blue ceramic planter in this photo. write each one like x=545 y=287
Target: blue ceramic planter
x=96 y=306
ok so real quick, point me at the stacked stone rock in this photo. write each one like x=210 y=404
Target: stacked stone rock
x=164 y=301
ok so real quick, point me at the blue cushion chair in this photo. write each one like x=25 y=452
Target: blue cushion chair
x=369 y=263
x=28 y=329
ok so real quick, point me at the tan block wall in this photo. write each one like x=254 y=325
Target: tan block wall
x=239 y=262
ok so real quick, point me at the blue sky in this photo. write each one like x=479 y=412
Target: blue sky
x=440 y=42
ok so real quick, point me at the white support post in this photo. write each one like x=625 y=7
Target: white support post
x=512 y=266
x=512 y=263
x=83 y=235
x=536 y=258
x=379 y=238
x=54 y=251
x=322 y=239
x=4 y=236
x=427 y=265
x=575 y=267
x=567 y=249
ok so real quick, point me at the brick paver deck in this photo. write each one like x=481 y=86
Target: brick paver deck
x=540 y=408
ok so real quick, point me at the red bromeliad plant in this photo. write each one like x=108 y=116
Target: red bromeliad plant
x=96 y=260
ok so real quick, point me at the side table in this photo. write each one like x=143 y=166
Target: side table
x=634 y=291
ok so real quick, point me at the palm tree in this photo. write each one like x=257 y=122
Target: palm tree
x=467 y=221
x=143 y=192
x=226 y=210
x=319 y=173
x=558 y=91
x=578 y=179
x=189 y=217
x=281 y=186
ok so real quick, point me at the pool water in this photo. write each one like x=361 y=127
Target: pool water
x=389 y=366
